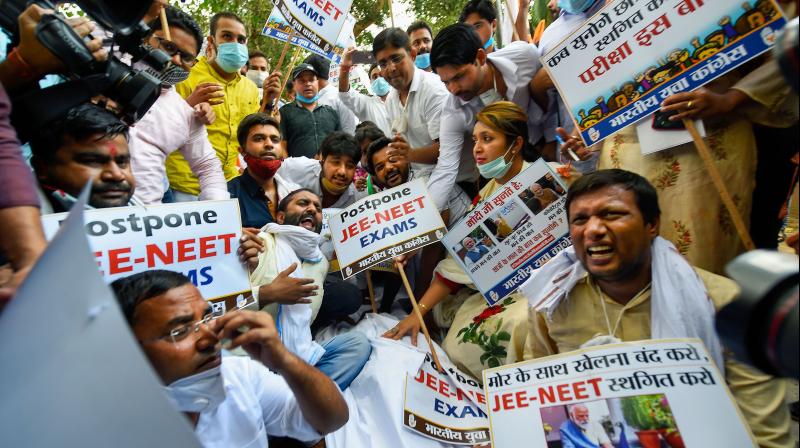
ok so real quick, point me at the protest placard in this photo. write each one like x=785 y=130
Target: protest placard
x=511 y=233
x=385 y=225
x=278 y=28
x=447 y=406
x=627 y=58
x=198 y=239
x=647 y=390
x=318 y=21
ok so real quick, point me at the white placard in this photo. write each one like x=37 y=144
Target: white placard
x=198 y=239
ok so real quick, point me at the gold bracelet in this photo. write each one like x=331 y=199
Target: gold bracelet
x=424 y=307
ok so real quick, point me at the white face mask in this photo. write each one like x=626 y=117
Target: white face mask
x=257 y=76
x=199 y=392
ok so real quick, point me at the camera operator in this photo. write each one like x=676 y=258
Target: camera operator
x=21 y=236
x=30 y=60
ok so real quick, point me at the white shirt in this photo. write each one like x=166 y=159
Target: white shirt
x=557 y=112
x=368 y=108
x=595 y=433
x=169 y=125
x=418 y=120
x=517 y=63
x=306 y=173
x=257 y=402
x=457 y=202
x=329 y=96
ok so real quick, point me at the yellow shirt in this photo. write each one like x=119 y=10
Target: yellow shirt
x=580 y=317
x=241 y=99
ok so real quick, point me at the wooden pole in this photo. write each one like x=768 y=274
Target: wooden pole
x=165 y=24
x=391 y=12
x=285 y=80
x=513 y=21
x=419 y=316
x=371 y=292
x=284 y=50
x=719 y=184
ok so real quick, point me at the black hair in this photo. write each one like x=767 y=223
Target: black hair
x=284 y=203
x=78 y=124
x=251 y=120
x=257 y=54
x=391 y=37
x=180 y=19
x=374 y=147
x=419 y=25
x=367 y=130
x=321 y=65
x=372 y=67
x=340 y=143
x=223 y=15
x=135 y=289
x=455 y=45
x=483 y=8
x=644 y=192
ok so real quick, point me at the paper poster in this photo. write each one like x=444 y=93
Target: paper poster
x=652 y=140
x=278 y=28
x=626 y=59
x=198 y=239
x=628 y=394
x=513 y=232
x=448 y=407
x=73 y=374
x=318 y=21
x=385 y=225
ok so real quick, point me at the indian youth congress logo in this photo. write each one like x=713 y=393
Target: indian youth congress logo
x=594 y=134
x=349 y=271
x=768 y=35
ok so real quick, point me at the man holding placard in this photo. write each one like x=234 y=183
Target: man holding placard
x=622 y=282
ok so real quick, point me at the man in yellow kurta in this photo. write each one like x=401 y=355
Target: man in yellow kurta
x=216 y=79
x=622 y=282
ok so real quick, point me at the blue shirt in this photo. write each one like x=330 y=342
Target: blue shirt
x=253 y=203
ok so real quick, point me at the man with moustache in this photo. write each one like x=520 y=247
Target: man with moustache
x=230 y=401
x=620 y=270
x=330 y=177
x=391 y=171
x=260 y=189
x=421 y=38
x=88 y=143
x=273 y=257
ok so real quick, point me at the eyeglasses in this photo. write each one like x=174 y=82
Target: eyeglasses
x=394 y=59
x=178 y=334
x=172 y=49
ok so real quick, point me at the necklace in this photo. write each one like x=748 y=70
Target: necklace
x=613 y=332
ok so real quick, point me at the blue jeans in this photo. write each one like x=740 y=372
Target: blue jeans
x=345 y=356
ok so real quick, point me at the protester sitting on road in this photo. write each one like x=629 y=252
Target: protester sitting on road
x=229 y=400
x=88 y=143
x=279 y=257
x=501 y=152
x=620 y=266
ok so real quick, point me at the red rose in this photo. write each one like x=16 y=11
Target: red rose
x=487 y=313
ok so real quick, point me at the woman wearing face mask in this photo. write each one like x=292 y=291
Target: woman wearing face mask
x=501 y=152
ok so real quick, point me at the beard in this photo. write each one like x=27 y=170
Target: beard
x=307 y=220
x=99 y=199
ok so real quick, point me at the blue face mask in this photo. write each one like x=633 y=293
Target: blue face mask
x=380 y=86
x=575 y=6
x=305 y=100
x=497 y=167
x=423 y=61
x=488 y=43
x=231 y=56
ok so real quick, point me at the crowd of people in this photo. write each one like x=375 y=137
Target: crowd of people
x=650 y=238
